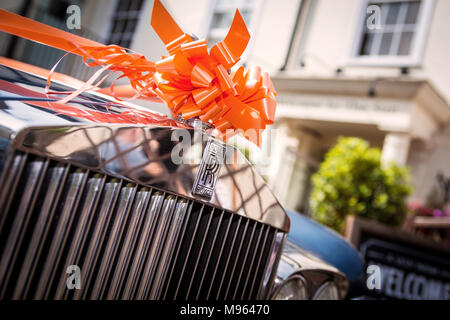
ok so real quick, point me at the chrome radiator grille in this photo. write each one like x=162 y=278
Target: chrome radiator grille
x=130 y=241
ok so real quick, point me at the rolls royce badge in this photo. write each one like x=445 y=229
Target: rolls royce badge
x=212 y=159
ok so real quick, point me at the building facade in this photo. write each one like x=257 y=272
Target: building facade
x=375 y=69
x=385 y=81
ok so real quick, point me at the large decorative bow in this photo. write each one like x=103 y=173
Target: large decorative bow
x=191 y=81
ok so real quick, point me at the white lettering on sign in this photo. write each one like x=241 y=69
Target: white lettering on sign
x=387 y=114
x=400 y=284
x=344 y=103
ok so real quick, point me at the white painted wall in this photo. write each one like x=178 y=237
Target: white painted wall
x=272 y=36
x=146 y=40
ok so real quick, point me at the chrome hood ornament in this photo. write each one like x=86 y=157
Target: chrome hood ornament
x=213 y=157
x=206 y=178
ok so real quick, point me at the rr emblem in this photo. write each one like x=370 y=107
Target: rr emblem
x=209 y=170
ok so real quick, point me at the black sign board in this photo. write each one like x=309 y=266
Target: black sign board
x=400 y=265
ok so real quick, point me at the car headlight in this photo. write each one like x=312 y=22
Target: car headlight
x=328 y=291
x=293 y=288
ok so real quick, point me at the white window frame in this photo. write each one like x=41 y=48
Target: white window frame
x=414 y=59
x=256 y=13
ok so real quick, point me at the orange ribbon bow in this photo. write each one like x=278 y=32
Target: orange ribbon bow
x=192 y=81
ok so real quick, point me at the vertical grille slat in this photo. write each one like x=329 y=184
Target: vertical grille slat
x=166 y=254
x=210 y=252
x=196 y=257
x=177 y=250
x=158 y=240
x=22 y=205
x=261 y=272
x=237 y=254
x=231 y=247
x=138 y=263
x=85 y=215
x=105 y=207
x=142 y=199
x=113 y=243
x=56 y=177
x=185 y=259
x=252 y=291
x=218 y=258
x=10 y=184
x=255 y=253
x=129 y=241
x=71 y=194
x=241 y=262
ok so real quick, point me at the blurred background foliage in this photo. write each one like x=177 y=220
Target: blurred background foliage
x=353 y=181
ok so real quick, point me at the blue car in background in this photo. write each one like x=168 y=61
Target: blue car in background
x=317 y=263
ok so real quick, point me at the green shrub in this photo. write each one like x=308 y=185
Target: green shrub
x=351 y=180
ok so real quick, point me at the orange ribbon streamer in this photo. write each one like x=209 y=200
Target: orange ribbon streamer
x=191 y=81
